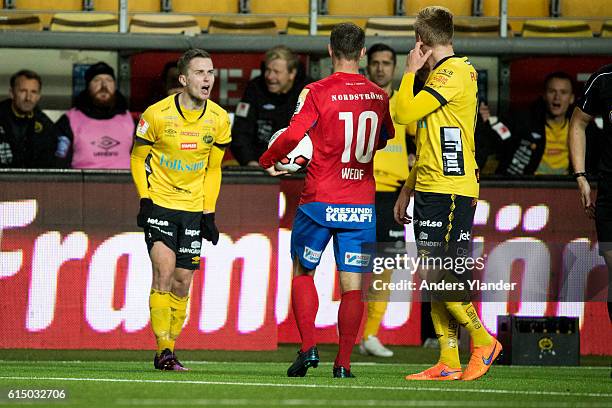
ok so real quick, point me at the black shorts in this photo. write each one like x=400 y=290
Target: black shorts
x=387 y=230
x=443 y=224
x=603 y=213
x=179 y=231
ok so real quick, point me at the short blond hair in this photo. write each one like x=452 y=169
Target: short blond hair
x=434 y=25
x=285 y=53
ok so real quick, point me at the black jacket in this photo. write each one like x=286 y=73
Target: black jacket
x=261 y=113
x=520 y=153
x=26 y=142
x=84 y=103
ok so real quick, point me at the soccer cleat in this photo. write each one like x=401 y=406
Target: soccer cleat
x=341 y=372
x=167 y=361
x=439 y=372
x=373 y=346
x=481 y=360
x=303 y=361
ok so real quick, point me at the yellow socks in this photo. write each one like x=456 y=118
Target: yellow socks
x=178 y=306
x=159 y=305
x=447 y=329
x=466 y=315
x=377 y=304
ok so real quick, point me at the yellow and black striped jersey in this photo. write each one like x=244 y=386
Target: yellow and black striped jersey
x=446 y=150
x=181 y=142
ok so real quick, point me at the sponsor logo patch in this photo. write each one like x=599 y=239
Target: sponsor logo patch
x=142 y=128
x=242 y=110
x=189 y=146
x=196 y=244
x=356 y=259
x=155 y=221
x=192 y=251
x=311 y=255
x=191 y=233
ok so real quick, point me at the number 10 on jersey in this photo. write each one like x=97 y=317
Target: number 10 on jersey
x=363 y=153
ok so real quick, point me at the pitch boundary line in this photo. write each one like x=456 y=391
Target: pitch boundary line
x=287 y=385
x=355 y=363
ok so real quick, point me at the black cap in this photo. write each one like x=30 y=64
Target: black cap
x=97 y=69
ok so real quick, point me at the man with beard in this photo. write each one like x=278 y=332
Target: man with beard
x=97 y=132
x=27 y=137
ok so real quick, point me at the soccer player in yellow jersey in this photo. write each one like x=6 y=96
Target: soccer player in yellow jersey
x=176 y=166
x=445 y=184
x=390 y=171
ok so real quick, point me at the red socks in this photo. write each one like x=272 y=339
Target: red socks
x=349 y=320
x=305 y=304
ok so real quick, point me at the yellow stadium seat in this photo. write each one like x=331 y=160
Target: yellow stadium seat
x=586 y=8
x=134 y=6
x=279 y=7
x=166 y=23
x=477 y=27
x=205 y=6
x=85 y=21
x=70 y=5
x=457 y=7
x=300 y=25
x=555 y=27
x=242 y=25
x=518 y=8
x=606 y=29
x=20 y=22
x=390 y=26
x=361 y=8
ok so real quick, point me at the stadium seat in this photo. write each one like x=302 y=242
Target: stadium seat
x=606 y=29
x=205 y=6
x=20 y=22
x=300 y=26
x=85 y=21
x=518 y=11
x=477 y=27
x=134 y=6
x=390 y=26
x=555 y=27
x=69 y=5
x=361 y=8
x=518 y=8
x=242 y=25
x=591 y=10
x=166 y=23
x=279 y=7
x=458 y=7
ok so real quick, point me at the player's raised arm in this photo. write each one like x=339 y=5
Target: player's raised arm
x=304 y=118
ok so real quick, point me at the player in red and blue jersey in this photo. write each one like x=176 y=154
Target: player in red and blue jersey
x=347 y=118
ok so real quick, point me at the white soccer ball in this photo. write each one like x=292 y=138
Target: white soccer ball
x=296 y=160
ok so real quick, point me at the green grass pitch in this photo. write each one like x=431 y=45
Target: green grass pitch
x=257 y=379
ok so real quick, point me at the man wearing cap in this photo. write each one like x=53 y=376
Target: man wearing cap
x=97 y=132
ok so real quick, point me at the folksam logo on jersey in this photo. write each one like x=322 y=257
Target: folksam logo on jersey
x=179 y=165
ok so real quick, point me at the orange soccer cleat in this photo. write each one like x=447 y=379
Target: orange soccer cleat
x=439 y=372
x=481 y=360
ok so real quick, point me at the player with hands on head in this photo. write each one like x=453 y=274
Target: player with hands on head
x=347 y=118
x=176 y=166
x=444 y=180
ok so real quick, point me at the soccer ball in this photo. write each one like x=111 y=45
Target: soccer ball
x=296 y=160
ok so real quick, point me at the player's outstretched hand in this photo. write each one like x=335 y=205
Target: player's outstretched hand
x=273 y=172
x=585 y=197
x=401 y=206
x=417 y=58
x=209 y=229
x=146 y=207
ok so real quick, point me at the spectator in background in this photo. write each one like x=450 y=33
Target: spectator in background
x=267 y=105
x=97 y=132
x=169 y=81
x=27 y=137
x=534 y=141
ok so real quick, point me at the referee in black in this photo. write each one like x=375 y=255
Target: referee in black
x=596 y=100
